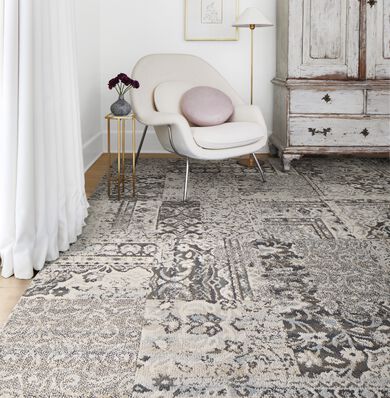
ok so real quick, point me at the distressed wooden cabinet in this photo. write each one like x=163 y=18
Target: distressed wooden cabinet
x=332 y=89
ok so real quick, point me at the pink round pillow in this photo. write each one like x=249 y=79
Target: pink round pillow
x=206 y=106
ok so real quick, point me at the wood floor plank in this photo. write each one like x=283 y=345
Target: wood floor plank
x=13 y=283
x=9 y=297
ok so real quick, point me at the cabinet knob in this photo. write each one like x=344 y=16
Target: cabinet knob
x=372 y=2
x=324 y=131
x=326 y=98
x=365 y=132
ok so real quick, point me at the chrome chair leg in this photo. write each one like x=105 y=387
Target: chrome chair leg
x=186 y=180
x=259 y=167
x=141 y=144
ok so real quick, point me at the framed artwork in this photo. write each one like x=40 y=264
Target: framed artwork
x=211 y=20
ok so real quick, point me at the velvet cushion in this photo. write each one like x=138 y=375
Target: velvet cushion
x=206 y=106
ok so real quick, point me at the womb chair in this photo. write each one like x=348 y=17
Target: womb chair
x=245 y=132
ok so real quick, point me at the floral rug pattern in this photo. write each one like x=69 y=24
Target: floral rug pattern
x=250 y=289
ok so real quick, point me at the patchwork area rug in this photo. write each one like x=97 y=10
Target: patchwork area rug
x=276 y=290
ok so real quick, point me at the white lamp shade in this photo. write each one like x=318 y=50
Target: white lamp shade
x=252 y=16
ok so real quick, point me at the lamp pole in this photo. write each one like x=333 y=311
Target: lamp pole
x=251 y=18
x=249 y=162
x=252 y=28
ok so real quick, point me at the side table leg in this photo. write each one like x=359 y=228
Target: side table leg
x=109 y=156
x=119 y=159
x=134 y=155
x=123 y=153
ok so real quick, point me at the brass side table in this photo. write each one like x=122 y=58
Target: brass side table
x=121 y=151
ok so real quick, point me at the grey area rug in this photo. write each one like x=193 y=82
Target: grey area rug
x=248 y=290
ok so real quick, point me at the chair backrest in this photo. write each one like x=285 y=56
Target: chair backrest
x=154 y=69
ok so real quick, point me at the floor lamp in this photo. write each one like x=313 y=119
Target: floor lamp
x=251 y=18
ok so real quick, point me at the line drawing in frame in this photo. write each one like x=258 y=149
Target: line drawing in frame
x=212 y=11
x=196 y=30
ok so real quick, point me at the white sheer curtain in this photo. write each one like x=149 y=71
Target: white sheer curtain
x=42 y=198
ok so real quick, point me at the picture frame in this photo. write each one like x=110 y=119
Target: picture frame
x=211 y=20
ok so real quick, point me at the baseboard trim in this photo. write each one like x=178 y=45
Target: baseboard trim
x=92 y=162
x=92 y=150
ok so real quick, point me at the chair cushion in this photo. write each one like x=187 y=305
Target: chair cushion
x=167 y=95
x=228 y=135
x=206 y=106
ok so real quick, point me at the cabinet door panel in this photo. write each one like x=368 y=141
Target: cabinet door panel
x=378 y=40
x=324 y=39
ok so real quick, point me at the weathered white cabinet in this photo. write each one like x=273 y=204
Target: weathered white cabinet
x=332 y=93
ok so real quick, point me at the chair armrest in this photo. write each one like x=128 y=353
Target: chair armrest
x=248 y=113
x=182 y=137
x=164 y=119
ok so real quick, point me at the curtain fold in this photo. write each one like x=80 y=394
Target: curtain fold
x=42 y=197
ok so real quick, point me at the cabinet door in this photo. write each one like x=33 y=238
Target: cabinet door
x=324 y=39
x=378 y=39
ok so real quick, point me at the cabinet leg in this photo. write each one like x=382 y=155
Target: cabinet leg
x=287 y=159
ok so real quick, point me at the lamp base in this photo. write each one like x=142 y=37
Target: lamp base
x=247 y=162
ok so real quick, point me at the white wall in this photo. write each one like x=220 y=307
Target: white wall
x=142 y=27
x=113 y=37
x=88 y=40
x=1 y=42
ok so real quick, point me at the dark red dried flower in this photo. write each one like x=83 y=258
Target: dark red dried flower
x=113 y=82
x=127 y=81
x=122 y=83
x=122 y=76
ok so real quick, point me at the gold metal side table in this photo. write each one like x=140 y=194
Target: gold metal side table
x=121 y=151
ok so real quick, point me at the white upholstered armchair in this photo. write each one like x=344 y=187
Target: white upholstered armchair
x=245 y=133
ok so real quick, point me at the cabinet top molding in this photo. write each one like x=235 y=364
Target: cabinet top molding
x=333 y=84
